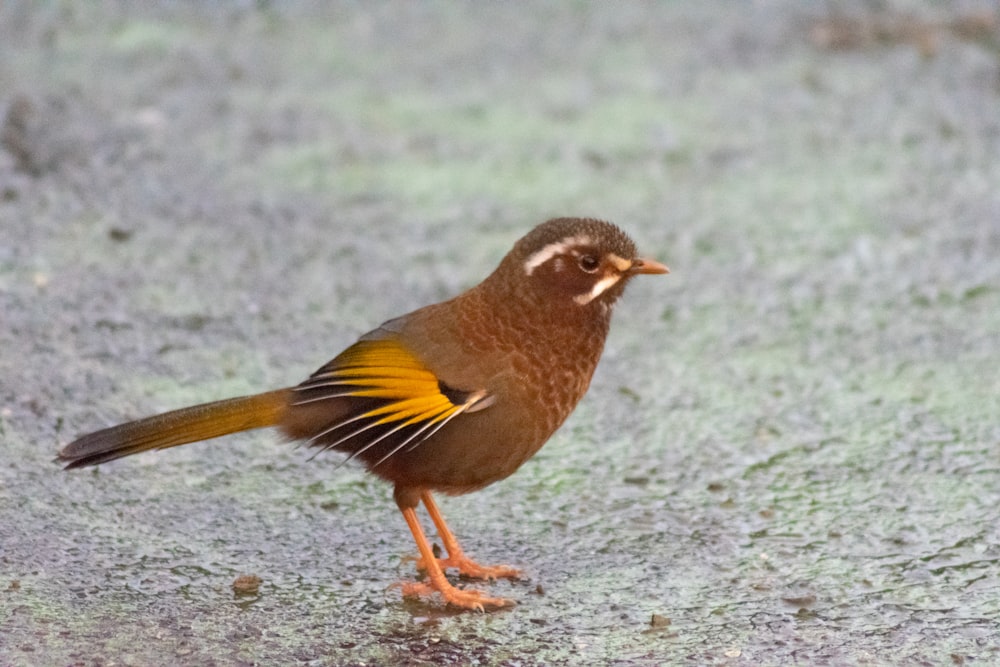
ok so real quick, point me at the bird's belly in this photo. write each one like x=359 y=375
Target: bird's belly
x=469 y=453
x=480 y=447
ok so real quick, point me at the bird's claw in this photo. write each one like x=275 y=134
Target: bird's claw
x=471 y=599
x=470 y=568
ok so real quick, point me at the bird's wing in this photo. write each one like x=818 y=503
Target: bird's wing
x=396 y=401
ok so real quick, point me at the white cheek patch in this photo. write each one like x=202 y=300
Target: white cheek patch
x=553 y=249
x=599 y=288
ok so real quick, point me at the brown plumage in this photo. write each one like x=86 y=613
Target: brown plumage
x=451 y=397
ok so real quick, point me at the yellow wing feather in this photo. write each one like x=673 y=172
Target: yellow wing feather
x=385 y=369
x=401 y=402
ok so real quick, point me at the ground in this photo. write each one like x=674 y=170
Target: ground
x=789 y=454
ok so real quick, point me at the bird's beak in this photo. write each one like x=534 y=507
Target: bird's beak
x=640 y=265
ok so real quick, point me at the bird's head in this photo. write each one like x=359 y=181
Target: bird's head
x=577 y=262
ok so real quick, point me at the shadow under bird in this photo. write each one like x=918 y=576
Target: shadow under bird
x=451 y=397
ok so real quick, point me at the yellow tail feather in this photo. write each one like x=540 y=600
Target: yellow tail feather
x=179 y=427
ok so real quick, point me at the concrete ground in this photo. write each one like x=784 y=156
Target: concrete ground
x=790 y=453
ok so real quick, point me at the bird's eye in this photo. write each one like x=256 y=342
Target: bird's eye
x=589 y=263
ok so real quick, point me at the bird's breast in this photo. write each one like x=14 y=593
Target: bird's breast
x=534 y=385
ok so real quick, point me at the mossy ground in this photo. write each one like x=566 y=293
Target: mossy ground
x=790 y=449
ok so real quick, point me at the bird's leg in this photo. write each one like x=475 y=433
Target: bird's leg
x=456 y=557
x=467 y=599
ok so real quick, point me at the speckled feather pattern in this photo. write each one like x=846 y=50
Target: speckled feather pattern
x=518 y=338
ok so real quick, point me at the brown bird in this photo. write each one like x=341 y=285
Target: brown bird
x=451 y=397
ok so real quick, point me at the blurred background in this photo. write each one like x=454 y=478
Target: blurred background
x=789 y=453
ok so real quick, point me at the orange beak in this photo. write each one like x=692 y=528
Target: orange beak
x=640 y=265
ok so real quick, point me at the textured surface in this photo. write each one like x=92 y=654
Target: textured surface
x=789 y=452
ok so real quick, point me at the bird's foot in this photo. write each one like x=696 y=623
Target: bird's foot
x=458 y=597
x=470 y=568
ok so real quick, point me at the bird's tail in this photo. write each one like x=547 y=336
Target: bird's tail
x=179 y=427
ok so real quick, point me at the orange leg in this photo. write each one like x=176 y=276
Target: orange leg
x=467 y=599
x=456 y=557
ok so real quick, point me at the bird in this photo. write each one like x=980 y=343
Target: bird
x=447 y=399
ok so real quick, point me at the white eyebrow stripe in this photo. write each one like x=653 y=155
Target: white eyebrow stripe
x=539 y=257
x=620 y=263
x=598 y=289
